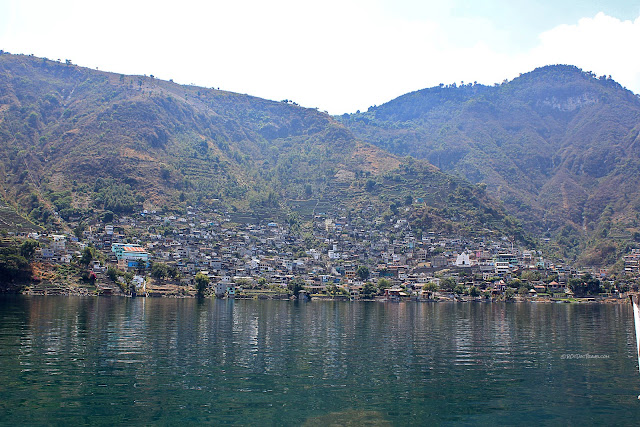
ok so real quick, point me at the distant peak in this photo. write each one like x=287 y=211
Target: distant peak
x=561 y=71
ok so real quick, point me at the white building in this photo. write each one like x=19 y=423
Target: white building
x=463 y=260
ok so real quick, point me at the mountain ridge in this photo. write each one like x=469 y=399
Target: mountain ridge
x=557 y=145
x=77 y=142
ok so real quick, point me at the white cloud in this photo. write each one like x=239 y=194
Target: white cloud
x=602 y=44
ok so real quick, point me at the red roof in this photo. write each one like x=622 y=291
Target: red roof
x=133 y=249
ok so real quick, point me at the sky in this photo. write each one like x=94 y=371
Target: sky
x=335 y=55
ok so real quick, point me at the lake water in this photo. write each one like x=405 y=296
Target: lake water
x=107 y=361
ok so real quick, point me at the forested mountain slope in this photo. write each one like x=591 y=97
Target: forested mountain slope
x=76 y=142
x=559 y=146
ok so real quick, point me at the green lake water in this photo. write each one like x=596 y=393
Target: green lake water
x=123 y=361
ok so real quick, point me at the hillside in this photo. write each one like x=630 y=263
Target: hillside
x=559 y=146
x=11 y=221
x=76 y=144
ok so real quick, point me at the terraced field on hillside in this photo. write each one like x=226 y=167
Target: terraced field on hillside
x=11 y=221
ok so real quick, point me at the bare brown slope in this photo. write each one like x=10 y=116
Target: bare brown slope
x=90 y=141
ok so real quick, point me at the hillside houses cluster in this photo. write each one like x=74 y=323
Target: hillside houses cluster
x=329 y=255
x=632 y=262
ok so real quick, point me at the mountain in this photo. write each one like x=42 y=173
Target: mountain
x=559 y=146
x=77 y=143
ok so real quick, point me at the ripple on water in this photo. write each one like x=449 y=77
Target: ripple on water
x=270 y=362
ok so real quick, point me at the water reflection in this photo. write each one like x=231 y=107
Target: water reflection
x=115 y=360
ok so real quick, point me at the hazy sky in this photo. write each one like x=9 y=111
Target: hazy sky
x=337 y=55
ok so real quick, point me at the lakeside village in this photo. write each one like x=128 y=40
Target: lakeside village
x=150 y=254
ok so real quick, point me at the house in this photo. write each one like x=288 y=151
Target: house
x=439 y=261
x=554 y=287
x=424 y=294
x=501 y=268
x=222 y=287
x=500 y=286
x=45 y=253
x=510 y=259
x=420 y=255
x=540 y=288
x=632 y=261
x=130 y=255
x=395 y=292
x=216 y=264
x=59 y=242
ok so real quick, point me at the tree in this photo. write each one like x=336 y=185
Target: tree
x=384 y=284
x=459 y=289
x=363 y=272
x=112 y=273
x=447 y=284
x=343 y=291
x=431 y=287
x=159 y=270
x=202 y=283
x=530 y=275
x=553 y=277
x=593 y=284
x=79 y=230
x=13 y=266
x=107 y=217
x=28 y=248
x=474 y=292
x=165 y=173
x=243 y=283
x=172 y=271
x=87 y=256
x=508 y=294
x=577 y=286
x=32 y=120
x=585 y=285
x=517 y=284
x=295 y=286
x=369 y=290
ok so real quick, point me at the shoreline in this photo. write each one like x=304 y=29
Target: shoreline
x=83 y=292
